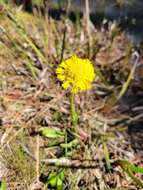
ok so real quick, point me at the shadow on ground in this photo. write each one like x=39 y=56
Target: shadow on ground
x=132 y=105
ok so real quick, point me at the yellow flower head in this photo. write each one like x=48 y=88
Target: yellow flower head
x=77 y=73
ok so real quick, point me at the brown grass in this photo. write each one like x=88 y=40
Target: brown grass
x=31 y=97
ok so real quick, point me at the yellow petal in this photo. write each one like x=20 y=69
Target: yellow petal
x=76 y=72
x=63 y=64
x=59 y=70
x=61 y=77
x=65 y=85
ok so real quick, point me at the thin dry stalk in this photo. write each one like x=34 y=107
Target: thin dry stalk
x=15 y=134
x=37 y=158
x=65 y=30
x=88 y=28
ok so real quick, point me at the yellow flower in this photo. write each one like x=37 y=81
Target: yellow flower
x=77 y=73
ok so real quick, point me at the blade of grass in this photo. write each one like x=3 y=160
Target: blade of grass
x=129 y=168
x=106 y=155
x=127 y=83
x=22 y=31
x=23 y=54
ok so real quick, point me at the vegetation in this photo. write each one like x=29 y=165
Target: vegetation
x=63 y=138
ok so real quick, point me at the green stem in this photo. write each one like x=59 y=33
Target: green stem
x=74 y=115
x=66 y=148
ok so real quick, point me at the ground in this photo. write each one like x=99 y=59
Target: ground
x=31 y=97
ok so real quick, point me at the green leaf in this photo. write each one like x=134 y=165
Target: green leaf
x=71 y=144
x=60 y=180
x=3 y=185
x=59 y=184
x=51 y=132
x=52 y=179
x=62 y=175
x=55 y=179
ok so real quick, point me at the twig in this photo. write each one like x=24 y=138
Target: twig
x=69 y=163
x=136 y=118
x=63 y=162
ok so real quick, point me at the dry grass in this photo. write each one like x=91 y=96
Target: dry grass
x=31 y=98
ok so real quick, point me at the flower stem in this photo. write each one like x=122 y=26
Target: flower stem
x=74 y=115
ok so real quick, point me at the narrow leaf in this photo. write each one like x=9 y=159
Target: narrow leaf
x=106 y=155
x=51 y=132
x=3 y=185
